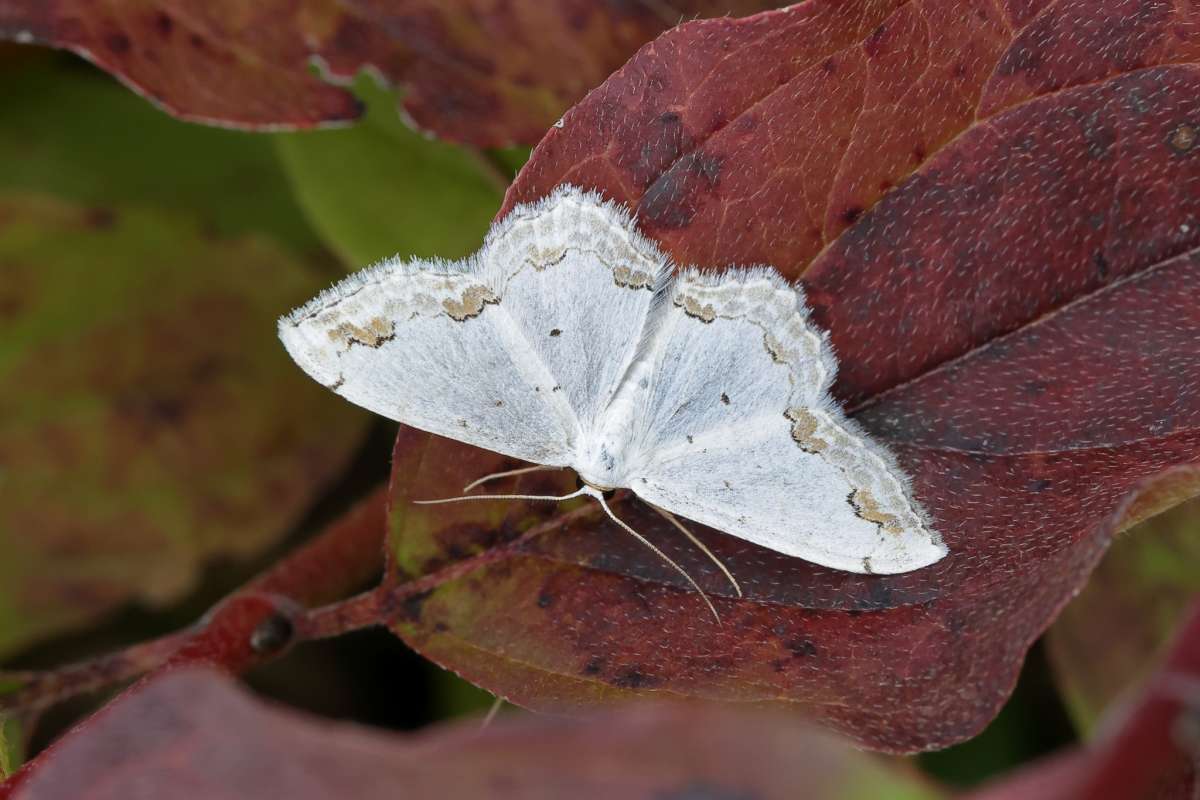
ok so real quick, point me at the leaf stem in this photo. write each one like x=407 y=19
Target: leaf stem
x=340 y=559
x=380 y=605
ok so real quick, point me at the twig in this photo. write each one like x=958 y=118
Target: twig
x=340 y=559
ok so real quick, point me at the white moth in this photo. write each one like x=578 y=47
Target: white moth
x=569 y=340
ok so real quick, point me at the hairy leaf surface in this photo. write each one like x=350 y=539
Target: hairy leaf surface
x=995 y=210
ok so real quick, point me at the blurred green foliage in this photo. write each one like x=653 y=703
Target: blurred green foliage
x=379 y=189
x=10 y=745
x=68 y=130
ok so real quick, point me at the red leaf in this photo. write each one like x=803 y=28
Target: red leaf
x=192 y=734
x=1017 y=318
x=476 y=71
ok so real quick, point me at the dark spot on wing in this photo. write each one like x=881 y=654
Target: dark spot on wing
x=555 y=332
x=724 y=398
x=499 y=403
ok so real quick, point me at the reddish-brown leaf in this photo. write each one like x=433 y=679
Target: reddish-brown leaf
x=1013 y=291
x=193 y=734
x=477 y=71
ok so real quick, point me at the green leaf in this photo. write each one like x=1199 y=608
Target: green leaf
x=150 y=419
x=72 y=131
x=1110 y=637
x=379 y=188
x=10 y=746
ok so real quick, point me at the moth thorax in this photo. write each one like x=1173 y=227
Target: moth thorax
x=599 y=464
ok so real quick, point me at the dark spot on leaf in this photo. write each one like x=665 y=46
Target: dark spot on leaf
x=555 y=332
x=594 y=665
x=163 y=23
x=801 y=647
x=1039 y=484
x=544 y=600
x=851 y=214
x=577 y=18
x=272 y=634
x=197 y=41
x=118 y=43
x=152 y=413
x=745 y=123
x=414 y=606
x=440 y=627
x=918 y=154
x=100 y=218
x=879 y=596
x=633 y=678
x=1184 y=138
x=671 y=201
x=829 y=66
x=1036 y=388
x=669 y=118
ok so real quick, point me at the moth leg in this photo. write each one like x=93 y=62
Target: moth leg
x=508 y=473
x=671 y=518
x=588 y=490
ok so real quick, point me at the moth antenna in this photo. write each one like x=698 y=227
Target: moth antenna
x=593 y=493
x=550 y=498
x=506 y=474
x=671 y=518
